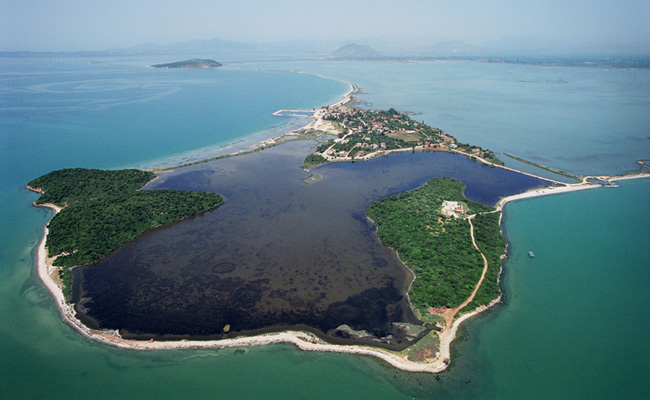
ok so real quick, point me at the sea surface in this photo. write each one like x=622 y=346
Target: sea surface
x=575 y=323
x=586 y=121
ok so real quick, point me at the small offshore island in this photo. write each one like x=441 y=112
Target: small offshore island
x=452 y=246
x=187 y=64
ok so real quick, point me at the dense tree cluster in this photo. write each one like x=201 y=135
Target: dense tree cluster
x=314 y=159
x=489 y=239
x=104 y=209
x=77 y=184
x=438 y=249
x=89 y=230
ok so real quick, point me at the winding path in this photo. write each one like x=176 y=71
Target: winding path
x=451 y=313
x=449 y=332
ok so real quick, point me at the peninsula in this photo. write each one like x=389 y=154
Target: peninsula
x=364 y=134
x=193 y=63
x=452 y=246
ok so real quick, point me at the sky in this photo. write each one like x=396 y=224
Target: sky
x=71 y=25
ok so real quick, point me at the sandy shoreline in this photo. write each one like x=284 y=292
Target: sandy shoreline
x=303 y=340
x=568 y=187
x=638 y=175
x=315 y=123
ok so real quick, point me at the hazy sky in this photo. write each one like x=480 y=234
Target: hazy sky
x=58 y=25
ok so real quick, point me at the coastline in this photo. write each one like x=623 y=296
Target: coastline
x=545 y=191
x=567 y=187
x=316 y=118
x=637 y=175
x=303 y=340
x=194 y=157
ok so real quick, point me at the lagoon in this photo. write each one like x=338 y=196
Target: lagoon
x=555 y=337
x=279 y=253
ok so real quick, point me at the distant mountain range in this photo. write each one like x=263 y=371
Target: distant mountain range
x=521 y=49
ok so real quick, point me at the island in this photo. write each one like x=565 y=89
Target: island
x=193 y=63
x=97 y=211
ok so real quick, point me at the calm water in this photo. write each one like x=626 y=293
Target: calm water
x=576 y=323
x=582 y=120
x=279 y=253
x=70 y=113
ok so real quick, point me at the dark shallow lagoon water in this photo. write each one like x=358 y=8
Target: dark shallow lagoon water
x=279 y=254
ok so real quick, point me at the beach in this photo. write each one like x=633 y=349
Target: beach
x=303 y=340
x=316 y=123
x=584 y=120
x=567 y=187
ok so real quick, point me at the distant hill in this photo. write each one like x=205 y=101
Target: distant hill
x=522 y=49
x=193 y=63
x=354 y=50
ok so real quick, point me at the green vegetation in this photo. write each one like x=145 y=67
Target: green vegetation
x=369 y=131
x=555 y=171
x=193 y=63
x=366 y=132
x=489 y=240
x=314 y=159
x=66 y=186
x=425 y=349
x=438 y=248
x=89 y=230
x=104 y=209
x=429 y=318
x=407 y=136
x=314 y=178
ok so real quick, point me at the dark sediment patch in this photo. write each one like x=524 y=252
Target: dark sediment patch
x=279 y=254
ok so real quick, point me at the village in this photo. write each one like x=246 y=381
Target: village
x=364 y=134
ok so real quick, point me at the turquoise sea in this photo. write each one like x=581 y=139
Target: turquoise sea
x=578 y=119
x=575 y=323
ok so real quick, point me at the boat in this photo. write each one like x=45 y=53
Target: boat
x=531 y=254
